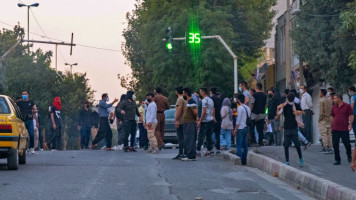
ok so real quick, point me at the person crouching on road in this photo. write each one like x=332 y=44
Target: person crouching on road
x=151 y=123
x=104 y=127
x=56 y=124
x=129 y=109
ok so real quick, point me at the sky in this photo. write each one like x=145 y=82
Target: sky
x=94 y=23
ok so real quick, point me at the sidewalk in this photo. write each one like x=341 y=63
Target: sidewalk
x=316 y=163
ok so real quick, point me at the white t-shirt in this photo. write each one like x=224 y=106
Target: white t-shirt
x=241 y=116
x=208 y=103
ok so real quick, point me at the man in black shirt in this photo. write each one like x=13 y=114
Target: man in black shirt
x=273 y=103
x=84 y=125
x=258 y=108
x=291 y=110
x=217 y=120
x=26 y=107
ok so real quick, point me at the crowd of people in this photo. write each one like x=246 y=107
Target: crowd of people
x=208 y=119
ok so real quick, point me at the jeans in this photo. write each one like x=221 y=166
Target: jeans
x=241 y=143
x=302 y=138
x=225 y=138
x=85 y=136
x=55 y=139
x=130 y=130
x=307 y=120
x=277 y=137
x=206 y=131
x=190 y=137
x=30 y=129
x=345 y=136
x=104 y=132
x=216 y=130
x=260 y=126
x=291 y=135
x=143 y=135
x=181 y=139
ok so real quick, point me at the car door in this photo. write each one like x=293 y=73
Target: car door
x=20 y=125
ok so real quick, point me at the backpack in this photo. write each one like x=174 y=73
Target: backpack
x=248 y=118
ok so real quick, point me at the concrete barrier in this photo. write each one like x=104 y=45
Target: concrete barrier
x=318 y=187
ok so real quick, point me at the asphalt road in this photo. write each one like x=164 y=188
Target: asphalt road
x=118 y=175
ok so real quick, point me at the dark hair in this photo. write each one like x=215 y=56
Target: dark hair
x=241 y=98
x=304 y=86
x=158 y=90
x=204 y=90
x=291 y=97
x=286 y=91
x=213 y=90
x=271 y=89
x=86 y=102
x=339 y=96
x=188 y=92
x=244 y=83
x=323 y=91
x=293 y=91
x=18 y=98
x=330 y=88
x=104 y=95
x=179 y=89
x=352 y=88
x=129 y=94
x=332 y=93
x=150 y=95
x=253 y=90
x=123 y=97
x=259 y=86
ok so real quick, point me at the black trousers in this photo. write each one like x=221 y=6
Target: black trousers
x=55 y=139
x=206 y=131
x=345 y=136
x=291 y=135
x=181 y=140
x=217 y=129
x=104 y=132
x=190 y=137
x=130 y=127
x=260 y=124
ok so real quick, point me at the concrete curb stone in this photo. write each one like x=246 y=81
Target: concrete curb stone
x=314 y=185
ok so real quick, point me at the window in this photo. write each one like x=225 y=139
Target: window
x=4 y=107
x=17 y=110
x=170 y=113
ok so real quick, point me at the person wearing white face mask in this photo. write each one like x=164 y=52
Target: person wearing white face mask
x=307 y=107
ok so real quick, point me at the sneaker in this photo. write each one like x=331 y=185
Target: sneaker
x=161 y=147
x=287 y=163
x=156 y=151
x=188 y=159
x=120 y=147
x=212 y=153
x=337 y=163
x=126 y=149
x=301 y=162
x=207 y=154
x=307 y=145
x=198 y=154
x=323 y=151
x=149 y=150
x=32 y=151
x=145 y=148
x=178 y=157
x=132 y=149
x=217 y=153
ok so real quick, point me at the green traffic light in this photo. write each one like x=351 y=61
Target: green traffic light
x=169 y=46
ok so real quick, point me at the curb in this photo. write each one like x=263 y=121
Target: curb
x=318 y=187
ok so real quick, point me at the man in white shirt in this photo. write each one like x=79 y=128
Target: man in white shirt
x=151 y=124
x=241 y=128
x=307 y=107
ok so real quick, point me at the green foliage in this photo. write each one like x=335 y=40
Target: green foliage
x=349 y=24
x=324 y=41
x=33 y=74
x=243 y=24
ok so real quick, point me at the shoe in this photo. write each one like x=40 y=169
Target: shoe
x=120 y=147
x=217 y=153
x=198 y=154
x=32 y=151
x=323 y=151
x=109 y=149
x=92 y=147
x=156 y=151
x=188 y=159
x=307 y=145
x=349 y=159
x=149 y=150
x=161 y=147
x=126 y=149
x=207 y=154
x=301 y=162
x=212 y=153
x=178 y=157
x=132 y=149
x=337 y=163
x=287 y=163
x=329 y=151
x=145 y=148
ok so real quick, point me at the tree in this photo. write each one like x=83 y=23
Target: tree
x=321 y=40
x=243 y=24
x=349 y=24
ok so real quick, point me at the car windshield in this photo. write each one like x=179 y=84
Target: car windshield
x=169 y=113
x=4 y=107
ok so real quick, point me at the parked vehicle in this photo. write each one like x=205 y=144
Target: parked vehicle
x=13 y=134
x=170 y=132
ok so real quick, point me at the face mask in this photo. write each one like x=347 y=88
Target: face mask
x=24 y=97
x=328 y=94
x=270 y=96
x=107 y=99
x=134 y=97
x=301 y=91
x=240 y=89
x=185 y=98
x=235 y=100
x=351 y=94
x=149 y=100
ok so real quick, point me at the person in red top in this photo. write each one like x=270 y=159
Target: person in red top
x=341 y=124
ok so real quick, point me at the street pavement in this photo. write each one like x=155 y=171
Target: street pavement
x=316 y=163
x=118 y=175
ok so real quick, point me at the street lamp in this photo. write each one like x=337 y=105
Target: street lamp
x=28 y=21
x=71 y=65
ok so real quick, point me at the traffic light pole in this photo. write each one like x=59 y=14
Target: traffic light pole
x=218 y=37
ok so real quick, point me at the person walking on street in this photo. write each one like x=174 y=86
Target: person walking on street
x=307 y=107
x=143 y=131
x=104 y=126
x=189 y=126
x=151 y=123
x=162 y=105
x=129 y=109
x=56 y=125
x=352 y=93
x=217 y=118
x=205 y=123
x=291 y=113
x=180 y=107
x=119 y=123
x=258 y=108
x=84 y=125
x=26 y=107
x=226 y=124
x=274 y=102
x=241 y=129
x=341 y=123
x=325 y=106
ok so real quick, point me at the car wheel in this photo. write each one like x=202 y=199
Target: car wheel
x=23 y=158
x=13 y=159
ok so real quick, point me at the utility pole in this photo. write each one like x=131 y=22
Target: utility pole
x=288 y=47
x=71 y=67
x=28 y=20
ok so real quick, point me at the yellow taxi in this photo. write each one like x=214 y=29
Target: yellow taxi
x=13 y=134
